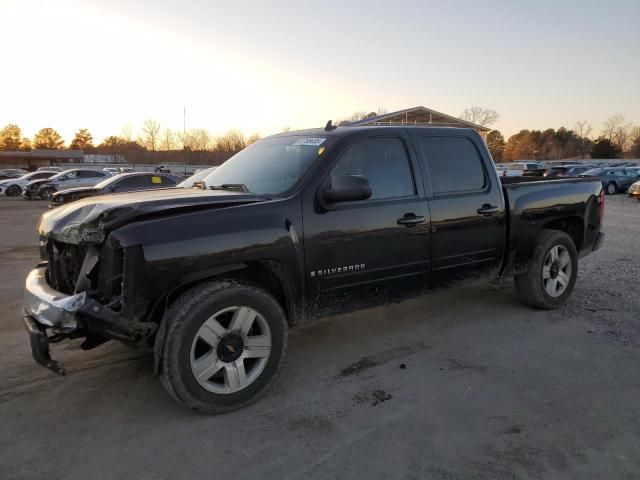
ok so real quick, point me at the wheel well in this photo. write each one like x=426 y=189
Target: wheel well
x=572 y=226
x=260 y=273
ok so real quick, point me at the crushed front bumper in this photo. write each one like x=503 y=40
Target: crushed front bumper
x=72 y=316
x=48 y=306
x=45 y=308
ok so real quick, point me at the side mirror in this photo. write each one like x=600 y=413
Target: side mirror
x=347 y=188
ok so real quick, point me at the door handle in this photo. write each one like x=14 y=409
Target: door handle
x=487 y=210
x=410 y=219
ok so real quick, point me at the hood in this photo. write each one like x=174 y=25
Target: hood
x=78 y=190
x=88 y=220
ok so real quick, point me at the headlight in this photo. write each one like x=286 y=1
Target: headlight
x=77 y=234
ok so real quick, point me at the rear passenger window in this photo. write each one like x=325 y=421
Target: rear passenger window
x=89 y=174
x=454 y=164
x=384 y=162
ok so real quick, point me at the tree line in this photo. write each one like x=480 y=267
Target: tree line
x=616 y=139
x=154 y=144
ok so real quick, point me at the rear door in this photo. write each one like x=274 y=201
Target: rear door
x=467 y=211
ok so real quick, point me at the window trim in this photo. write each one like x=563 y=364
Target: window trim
x=486 y=187
x=370 y=201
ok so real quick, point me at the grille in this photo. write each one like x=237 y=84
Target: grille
x=65 y=262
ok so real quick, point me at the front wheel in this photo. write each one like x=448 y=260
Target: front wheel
x=551 y=272
x=612 y=189
x=13 y=191
x=225 y=342
x=46 y=193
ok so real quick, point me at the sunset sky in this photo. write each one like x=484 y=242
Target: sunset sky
x=259 y=66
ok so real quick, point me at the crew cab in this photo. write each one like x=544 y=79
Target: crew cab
x=296 y=223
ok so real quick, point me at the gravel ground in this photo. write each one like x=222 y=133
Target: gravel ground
x=459 y=384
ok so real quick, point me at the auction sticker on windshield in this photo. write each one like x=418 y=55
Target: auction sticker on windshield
x=311 y=141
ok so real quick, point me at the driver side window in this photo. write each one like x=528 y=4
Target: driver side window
x=382 y=161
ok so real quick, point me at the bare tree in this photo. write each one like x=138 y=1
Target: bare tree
x=583 y=129
x=127 y=133
x=286 y=128
x=150 y=134
x=201 y=139
x=168 y=140
x=480 y=116
x=233 y=141
x=611 y=125
x=617 y=131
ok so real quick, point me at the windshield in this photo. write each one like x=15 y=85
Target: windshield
x=593 y=172
x=515 y=166
x=108 y=181
x=270 y=166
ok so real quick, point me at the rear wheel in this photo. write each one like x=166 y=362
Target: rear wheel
x=612 y=188
x=551 y=272
x=225 y=342
x=13 y=191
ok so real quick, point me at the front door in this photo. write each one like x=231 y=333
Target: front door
x=383 y=238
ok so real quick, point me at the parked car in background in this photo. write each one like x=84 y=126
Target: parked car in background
x=50 y=169
x=523 y=168
x=125 y=182
x=77 y=177
x=7 y=173
x=111 y=170
x=14 y=186
x=197 y=179
x=567 y=170
x=634 y=190
x=613 y=180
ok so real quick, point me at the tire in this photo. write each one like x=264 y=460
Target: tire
x=46 y=193
x=611 y=189
x=198 y=360
x=544 y=286
x=13 y=191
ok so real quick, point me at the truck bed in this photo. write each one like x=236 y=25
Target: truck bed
x=533 y=203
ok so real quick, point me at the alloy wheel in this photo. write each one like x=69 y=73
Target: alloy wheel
x=556 y=271
x=230 y=350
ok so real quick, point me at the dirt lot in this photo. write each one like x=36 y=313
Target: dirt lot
x=491 y=389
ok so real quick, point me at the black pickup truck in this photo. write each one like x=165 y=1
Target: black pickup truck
x=213 y=278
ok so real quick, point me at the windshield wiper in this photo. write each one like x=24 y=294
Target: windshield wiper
x=238 y=187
